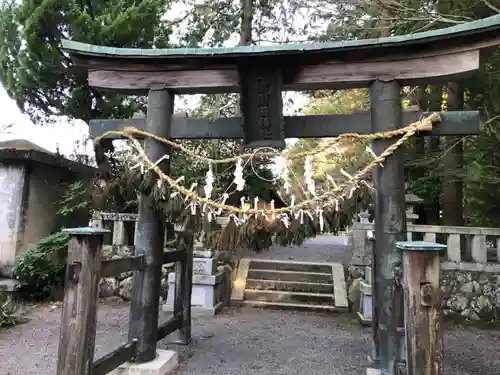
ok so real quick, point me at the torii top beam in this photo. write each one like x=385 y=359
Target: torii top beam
x=445 y=54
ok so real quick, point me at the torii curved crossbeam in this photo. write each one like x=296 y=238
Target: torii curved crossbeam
x=439 y=55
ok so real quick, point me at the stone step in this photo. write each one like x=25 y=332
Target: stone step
x=284 y=296
x=280 y=265
x=290 y=286
x=9 y=285
x=299 y=276
x=292 y=305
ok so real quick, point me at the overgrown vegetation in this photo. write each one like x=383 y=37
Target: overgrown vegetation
x=11 y=312
x=41 y=269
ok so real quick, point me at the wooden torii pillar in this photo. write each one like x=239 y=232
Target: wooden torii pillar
x=384 y=65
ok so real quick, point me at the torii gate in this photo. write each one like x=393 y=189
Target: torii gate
x=261 y=74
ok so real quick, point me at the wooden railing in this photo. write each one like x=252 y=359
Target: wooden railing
x=468 y=248
x=84 y=270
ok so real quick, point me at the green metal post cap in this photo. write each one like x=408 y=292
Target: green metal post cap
x=419 y=246
x=85 y=231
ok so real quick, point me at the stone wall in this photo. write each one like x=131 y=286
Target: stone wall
x=469 y=295
x=121 y=285
x=472 y=295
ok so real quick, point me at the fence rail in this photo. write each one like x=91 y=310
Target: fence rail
x=84 y=270
x=468 y=248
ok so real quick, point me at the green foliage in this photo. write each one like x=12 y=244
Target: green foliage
x=11 y=312
x=424 y=167
x=42 y=268
x=42 y=80
x=75 y=198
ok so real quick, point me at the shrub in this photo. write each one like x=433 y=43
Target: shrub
x=42 y=268
x=10 y=312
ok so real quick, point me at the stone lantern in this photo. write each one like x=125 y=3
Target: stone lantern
x=411 y=201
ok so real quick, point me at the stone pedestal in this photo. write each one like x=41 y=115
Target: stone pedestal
x=210 y=285
x=361 y=249
x=165 y=363
x=366 y=303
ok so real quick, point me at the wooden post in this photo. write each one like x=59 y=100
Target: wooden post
x=390 y=225
x=150 y=234
x=424 y=350
x=78 y=320
x=183 y=287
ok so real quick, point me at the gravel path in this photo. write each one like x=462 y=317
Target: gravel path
x=318 y=249
x=246 y=341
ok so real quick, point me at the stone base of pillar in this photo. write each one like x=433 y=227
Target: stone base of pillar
x=165 y=363
x=372 y=371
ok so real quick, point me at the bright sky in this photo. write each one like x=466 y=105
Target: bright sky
x=62 y=133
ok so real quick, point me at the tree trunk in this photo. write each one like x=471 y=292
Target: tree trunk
x=246 y=22
x=245 y=32
x=432 y=208
x=452 y=164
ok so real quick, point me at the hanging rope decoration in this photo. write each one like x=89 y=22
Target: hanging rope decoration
x=317 y=203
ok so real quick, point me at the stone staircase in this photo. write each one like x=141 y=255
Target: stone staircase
x=290 y=284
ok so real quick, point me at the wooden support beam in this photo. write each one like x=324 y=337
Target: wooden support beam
x=183 y=287
x=150 y=232
x=79 y=311
x=112 y=360
x=137 y=77
x=176 y=255
x=424 y=350
x=171 y=325
x=390 y=224
x=315 y=126
x=115 y=267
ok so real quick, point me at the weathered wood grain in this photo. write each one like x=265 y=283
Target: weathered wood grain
x=262 y=105
x=149 y=239
x=424 y=348
x=174 y=256
x=115 y=267
x=408 y=70
x=314 y=126
x=79 y=311
x=390 y=224
x=112 y=360
x=183 y=288
x=171 y=325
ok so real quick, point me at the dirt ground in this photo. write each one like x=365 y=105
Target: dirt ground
x=249 y=341
x=244 y=341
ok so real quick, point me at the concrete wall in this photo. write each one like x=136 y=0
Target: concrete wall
x=28 y=206
x=44 y=190
x=12 y=183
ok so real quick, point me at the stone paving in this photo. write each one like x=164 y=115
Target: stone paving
x=246 y=341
